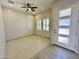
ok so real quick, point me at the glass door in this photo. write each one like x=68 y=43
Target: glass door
x=64 y=29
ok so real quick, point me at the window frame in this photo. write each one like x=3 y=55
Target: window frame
x=46 y=24
x=42 y=25
x=39 y=24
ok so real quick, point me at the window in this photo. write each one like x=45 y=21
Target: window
x=64 y=22
x=64 y=26
x=39 y=24
x=66 y=12
x=63 y=39
x=64 y=31
x=46 y=24
x=43 y=24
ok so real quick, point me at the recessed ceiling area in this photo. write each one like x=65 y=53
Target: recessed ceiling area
x=42 y=5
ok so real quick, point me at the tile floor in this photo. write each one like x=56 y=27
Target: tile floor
x=36 y=47
x=25 y=48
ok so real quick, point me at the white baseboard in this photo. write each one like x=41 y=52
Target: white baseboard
x=20 y=37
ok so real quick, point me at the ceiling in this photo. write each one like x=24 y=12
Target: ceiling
x=42 y=5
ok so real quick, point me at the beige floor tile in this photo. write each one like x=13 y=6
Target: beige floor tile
x=25 y=48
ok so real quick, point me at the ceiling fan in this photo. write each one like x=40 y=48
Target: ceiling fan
x=29 y=7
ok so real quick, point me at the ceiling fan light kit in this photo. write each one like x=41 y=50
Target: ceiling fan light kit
x=29 y=7
x=26 y=6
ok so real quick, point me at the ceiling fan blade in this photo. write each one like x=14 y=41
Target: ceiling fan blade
x=34 y=7
x=10 y=1
x=28 y=5
x=23 y=7
x=27 y=10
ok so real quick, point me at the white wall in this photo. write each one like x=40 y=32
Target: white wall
x=17 y=24
x=44 y=15
x=2 y=36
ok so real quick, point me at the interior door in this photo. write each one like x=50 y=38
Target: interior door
x=65 y=31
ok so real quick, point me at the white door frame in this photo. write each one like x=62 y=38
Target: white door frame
x=77 y=33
